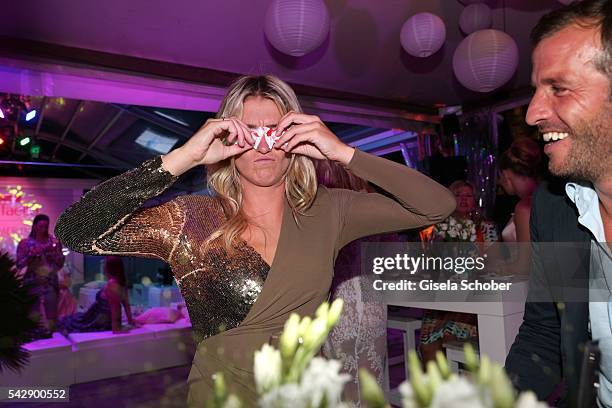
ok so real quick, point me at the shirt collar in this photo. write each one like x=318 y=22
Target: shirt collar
x=585 y=198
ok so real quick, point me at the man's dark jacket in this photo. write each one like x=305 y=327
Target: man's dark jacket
x=550 y=343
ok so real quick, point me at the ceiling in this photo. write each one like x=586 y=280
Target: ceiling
x=88 y=139
x=362 y=55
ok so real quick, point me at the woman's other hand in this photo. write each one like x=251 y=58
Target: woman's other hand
x=308 y=135
x=217 y=140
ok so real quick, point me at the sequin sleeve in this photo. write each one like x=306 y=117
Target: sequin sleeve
x=107 y=219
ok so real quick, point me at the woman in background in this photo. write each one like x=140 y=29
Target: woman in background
x=439 y=327
x=359 y=339
x=105 y=313
x=66 y=304
x=520 y=167
x=41 y=254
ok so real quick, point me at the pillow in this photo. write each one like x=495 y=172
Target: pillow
x=158 y=315
x=97 y=284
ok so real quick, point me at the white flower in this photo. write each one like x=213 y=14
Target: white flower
x=316 y=333
x=267 y=368
x=289 y=338
x=452 y=221
x=529 y=400
x=443 y=226
x=408 y=397
x=322 y=378
x=232 y=402
x=464 y=235
x=287 y=395
x=457 y=393
x=452 y=233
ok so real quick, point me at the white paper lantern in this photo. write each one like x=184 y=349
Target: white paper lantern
x=423 y=34
x=485 y=60
x=475 y=17
x=296 y=27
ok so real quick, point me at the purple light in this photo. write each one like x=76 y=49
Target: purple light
x=30 y=115
x=1 y=114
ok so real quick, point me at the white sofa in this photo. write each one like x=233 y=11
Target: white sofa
x=84 y=357
x=50 y=364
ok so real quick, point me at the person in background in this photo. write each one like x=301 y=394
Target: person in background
x=359 y=339
x=439 y=327
x=105 y=313
x=519 y=172
x=66 y=304
x=520 y=169
x=41 y=256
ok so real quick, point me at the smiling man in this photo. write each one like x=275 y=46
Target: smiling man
x=572 y=108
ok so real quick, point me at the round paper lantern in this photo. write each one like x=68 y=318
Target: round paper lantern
x=485 y=60
x=475 y=17
x=423 y=34
x=296 y=27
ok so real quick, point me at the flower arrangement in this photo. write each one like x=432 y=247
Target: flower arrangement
x=485 y=386
x=454 y=230
x=294 y=377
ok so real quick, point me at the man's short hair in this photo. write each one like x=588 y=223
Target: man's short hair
x=587 y=14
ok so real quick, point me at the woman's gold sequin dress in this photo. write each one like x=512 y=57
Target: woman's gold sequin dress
x=238 y=303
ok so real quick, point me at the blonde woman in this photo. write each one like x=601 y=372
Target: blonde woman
x=263 y=245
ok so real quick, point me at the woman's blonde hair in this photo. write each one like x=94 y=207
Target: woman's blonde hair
x=223 y=177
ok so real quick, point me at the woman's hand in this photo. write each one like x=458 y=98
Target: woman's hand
x=308 y=135
x=217 y=140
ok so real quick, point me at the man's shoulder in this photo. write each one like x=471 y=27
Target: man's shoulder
x=552 y=194
x=555 y=216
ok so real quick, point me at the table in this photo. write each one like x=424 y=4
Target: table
x=498 y=319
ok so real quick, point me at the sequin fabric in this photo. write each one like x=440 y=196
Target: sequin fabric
x=219 y=290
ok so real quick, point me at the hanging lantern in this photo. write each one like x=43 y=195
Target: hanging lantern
x=423 y=34
x=296 y=27
x=485 y=60
x=475 y=17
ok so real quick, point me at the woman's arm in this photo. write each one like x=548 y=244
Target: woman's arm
x=126 y=305
x=106 y=221
x=113 y=292
x=417 y=200
x=22 y=256
x=521 y=221
x=56 y=256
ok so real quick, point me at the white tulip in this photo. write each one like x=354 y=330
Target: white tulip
x=459 y=393
x=321 y=379
x=529 y=400
x=267 y=368
x=287 y=395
